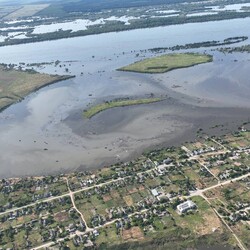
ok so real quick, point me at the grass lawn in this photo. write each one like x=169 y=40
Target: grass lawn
x=92 y=111
x=202 y=221
x=108 y=235
x=136 y=197
x=165 y=63
x=242 y=230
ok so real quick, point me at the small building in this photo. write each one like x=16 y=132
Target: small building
x=185 y=206
x=154 y=192
x=167 y=161
x=96 y=233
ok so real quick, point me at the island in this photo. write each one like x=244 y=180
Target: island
x=92 y=111
x=165 y=63
x=15 y=84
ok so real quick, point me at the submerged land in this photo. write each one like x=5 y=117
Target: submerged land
x=15 y=84
x=172 y=198
x=168 y=62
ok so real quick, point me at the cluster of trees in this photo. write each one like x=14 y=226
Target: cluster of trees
x=227 y=41
x=244 y=48
x=65 y=8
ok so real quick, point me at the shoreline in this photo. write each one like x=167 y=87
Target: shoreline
x=95 y=155
x=60 y=78
x=168 y=23
x=188 y=136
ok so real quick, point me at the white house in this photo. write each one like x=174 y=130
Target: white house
x=185 y=206
x=154 y=192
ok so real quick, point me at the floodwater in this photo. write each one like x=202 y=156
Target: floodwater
x=46 y=132
x=231 y=7
x=79 y=24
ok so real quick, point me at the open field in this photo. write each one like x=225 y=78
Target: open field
x=117 y=103
x=165 y=63
x=26 y=11
x=232 y=203
x=16 y=84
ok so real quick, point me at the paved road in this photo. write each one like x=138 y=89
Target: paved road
x=201 y=191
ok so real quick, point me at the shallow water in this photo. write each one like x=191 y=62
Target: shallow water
x=38 y=135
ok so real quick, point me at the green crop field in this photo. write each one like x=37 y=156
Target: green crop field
x=165 y=63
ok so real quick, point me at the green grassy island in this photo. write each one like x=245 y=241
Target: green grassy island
x=92 y=111
x=165 y=63
x=16 y=84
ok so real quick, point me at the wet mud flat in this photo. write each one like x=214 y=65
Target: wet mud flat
x=115 y=135
x=121 y=134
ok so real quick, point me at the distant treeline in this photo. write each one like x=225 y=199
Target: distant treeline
x=227 y=41
x=244 y=48
x=98 y=5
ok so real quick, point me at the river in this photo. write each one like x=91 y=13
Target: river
x=46 y=133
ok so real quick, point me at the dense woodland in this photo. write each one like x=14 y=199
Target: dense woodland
x=97 y=5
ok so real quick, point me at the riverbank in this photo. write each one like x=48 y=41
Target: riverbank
x=138 y=23
x=15 y=84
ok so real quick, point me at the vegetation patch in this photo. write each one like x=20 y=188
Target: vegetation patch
x=26 y=10
x=227 y=41
x=165 y=63
x=16 y=84
x=241 y=49
x=117 y=103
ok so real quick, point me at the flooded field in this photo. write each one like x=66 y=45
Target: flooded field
x=32 y=22
x=47 y=133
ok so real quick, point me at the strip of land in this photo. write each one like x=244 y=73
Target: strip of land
x=16 y=84
x=165 y=63
x=205 y=44
x=241 y=49
x=89 y=113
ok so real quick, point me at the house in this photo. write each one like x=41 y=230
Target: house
x=161 y=169
x=96 y=233
x=224 y=176
x=185 y=206
x=154 y=192
x=167 y=161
